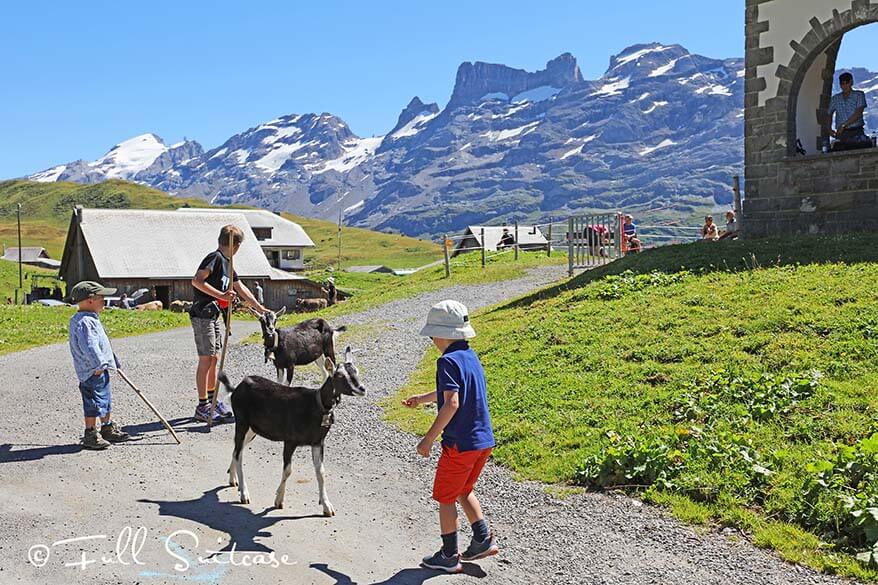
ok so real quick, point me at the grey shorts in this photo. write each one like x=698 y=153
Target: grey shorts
x=208 y=341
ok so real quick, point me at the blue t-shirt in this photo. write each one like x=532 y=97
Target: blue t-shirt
x=459 y=370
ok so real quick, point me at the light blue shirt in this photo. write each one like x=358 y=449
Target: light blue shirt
x=89 y=345
x=844 y=108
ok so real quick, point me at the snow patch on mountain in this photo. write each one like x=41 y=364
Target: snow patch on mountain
x=663 y=144
x=537 y=94
x=357 y=151
x=614 y=87
x=521 y=131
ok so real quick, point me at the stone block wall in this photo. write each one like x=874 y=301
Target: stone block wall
x=785 y=193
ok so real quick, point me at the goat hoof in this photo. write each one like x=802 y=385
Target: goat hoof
x=328 y=510
x=245 y=499
x=233 y=482
x=279 y=504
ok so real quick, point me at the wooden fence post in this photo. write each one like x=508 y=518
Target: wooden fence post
x=549 y=245
x=736 y=187
x=483 y=247
x=447 y=261
x=570 y=246
x=516 y=239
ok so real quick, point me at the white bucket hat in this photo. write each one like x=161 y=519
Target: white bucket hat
x=448 y=320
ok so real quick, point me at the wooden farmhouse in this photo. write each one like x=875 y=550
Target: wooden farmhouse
x=529 y=238
x=130 y=249
x=32 y=256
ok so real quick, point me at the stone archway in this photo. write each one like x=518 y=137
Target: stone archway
x=790 y=63
x=820 y=46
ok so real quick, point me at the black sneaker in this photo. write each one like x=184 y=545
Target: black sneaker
x=113 y=433
x=479 y=550
x=93 y=440
x=441 y=562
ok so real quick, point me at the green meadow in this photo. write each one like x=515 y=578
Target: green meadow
x=733 y=383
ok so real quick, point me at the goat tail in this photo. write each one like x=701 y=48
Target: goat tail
x=225 y=387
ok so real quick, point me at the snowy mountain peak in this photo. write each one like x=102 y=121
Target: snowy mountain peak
x=131 y=156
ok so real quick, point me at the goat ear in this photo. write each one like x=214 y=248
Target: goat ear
x=348 y=355
x=328 y=365
x=281 y=312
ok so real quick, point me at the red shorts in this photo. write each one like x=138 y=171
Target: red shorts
x=457 y=473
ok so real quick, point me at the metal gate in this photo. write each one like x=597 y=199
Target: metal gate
x=593 y=240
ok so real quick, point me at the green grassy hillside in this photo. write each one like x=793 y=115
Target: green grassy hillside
x=738 y=392
x=364 y=247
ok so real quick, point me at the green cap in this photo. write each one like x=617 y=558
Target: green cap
x=89 y=288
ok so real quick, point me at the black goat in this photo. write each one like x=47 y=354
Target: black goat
x=298 y=345
x=296 y=415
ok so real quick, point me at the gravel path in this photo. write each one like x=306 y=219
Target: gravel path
x=52 y=492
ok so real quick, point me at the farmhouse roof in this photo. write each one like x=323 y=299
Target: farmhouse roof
x=28 y=254
x=141 y=243
x=369 y=269
x=284 y=233
x=528 y=235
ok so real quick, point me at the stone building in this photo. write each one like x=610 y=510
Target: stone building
x=791 y=50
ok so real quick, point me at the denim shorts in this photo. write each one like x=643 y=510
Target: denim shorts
x=208 y=341
x=95 y=392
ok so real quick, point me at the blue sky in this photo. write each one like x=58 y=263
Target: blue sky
x=80 y=77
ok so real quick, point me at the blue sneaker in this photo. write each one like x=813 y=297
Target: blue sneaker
x=442 y=563
x=479 y=550
x=223 y=410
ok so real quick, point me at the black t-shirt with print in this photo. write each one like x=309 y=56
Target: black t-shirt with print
x=218 y=277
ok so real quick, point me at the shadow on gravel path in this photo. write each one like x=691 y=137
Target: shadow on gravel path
x=403 y=577
x=238 y=521
x=7 y=455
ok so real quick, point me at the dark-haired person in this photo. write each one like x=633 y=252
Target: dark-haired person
x=847 y=108
x=212 y=296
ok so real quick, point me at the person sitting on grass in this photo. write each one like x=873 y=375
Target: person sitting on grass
x=93 y=360
x=709 y=231
x=629 y=229
x=731 y=226
x=467 y=436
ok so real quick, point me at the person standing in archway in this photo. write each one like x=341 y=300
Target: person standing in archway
x=847 y=108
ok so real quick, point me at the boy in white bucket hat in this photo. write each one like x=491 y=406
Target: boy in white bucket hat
x=467 y=437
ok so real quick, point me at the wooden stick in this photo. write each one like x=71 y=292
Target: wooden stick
x=149 y=404
x=222 y=361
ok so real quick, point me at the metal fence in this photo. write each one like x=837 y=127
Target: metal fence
x=589 y=240
x=593 y=240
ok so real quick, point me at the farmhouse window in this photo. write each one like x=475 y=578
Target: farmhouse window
x=292 y=254
x=262 y=233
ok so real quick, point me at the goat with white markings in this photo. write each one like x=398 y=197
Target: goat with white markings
x=298 y=345
x=296 y=415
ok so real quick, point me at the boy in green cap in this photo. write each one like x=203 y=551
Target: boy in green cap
x=93 y=360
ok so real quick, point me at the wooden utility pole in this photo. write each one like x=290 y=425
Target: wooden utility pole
x=483 y=247
x=549 y=244
x=20 y=273
x=338 y=264
x=570 y=246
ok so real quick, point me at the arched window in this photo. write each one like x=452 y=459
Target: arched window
x=817 y=80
